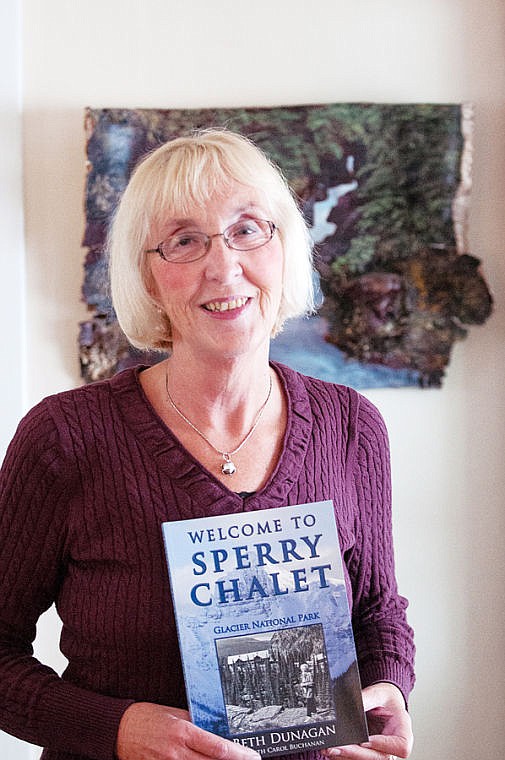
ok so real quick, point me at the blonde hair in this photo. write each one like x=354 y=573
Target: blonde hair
x=180 y=174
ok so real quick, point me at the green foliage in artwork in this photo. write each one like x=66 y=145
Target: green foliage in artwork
x=409 y=177
x=358 y=258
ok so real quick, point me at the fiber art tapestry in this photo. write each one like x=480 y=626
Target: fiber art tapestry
x=385 y=190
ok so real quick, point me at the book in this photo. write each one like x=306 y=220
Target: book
x=264 y=628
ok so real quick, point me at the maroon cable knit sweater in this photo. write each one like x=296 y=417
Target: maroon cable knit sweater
x=87 y=481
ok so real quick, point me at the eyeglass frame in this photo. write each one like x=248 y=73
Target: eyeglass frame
x=208 y=242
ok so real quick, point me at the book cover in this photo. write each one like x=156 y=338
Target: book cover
x=264 y=628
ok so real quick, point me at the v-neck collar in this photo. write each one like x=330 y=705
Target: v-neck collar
x=174 y=461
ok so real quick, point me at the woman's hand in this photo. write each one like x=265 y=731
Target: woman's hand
x=152 y=732
x=389 y=726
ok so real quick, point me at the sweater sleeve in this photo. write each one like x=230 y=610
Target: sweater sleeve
x=37 y=483
x=384 y=640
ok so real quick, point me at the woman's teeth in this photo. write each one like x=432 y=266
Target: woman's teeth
x=235 y=303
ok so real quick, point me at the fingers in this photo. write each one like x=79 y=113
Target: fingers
x=194 y=742
x=357 y=752
x=389 y=725
x=217 y=748
x=377 y=748
x=154 y=732
x=396 y=746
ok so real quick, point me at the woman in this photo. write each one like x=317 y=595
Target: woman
x=209 y=257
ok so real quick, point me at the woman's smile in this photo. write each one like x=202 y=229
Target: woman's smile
x=227 y=307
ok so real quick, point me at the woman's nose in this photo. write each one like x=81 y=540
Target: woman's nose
x=221 y=262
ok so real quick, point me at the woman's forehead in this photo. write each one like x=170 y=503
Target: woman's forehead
x=231 y=201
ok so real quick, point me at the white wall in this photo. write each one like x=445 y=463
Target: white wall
x=11 y=222
x=12 y=292
x=448 y=445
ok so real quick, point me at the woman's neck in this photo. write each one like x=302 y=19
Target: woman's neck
x=225 y=392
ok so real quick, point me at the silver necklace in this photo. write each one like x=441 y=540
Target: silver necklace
x=228 y=467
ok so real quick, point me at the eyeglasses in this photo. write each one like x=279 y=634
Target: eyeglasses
x=246 y=235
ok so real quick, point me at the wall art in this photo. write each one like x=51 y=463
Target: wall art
x=385 y=190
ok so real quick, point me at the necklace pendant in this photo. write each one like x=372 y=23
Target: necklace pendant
x=228 y=468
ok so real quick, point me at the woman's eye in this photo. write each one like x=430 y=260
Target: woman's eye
x=248 y=228
x=184 y=241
